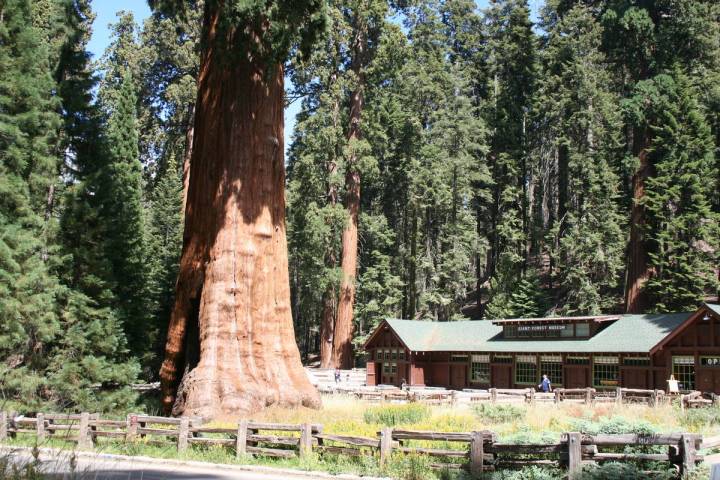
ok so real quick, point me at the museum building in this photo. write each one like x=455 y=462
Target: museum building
x=603 y=351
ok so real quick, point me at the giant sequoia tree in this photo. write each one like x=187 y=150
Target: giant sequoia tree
x=231 y=346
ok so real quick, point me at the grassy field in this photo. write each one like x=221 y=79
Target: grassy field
x=513 y=423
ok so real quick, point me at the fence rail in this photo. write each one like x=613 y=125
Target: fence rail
x=474 y=451
x=525 y=395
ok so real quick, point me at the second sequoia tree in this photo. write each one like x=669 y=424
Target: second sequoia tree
x=231 y=347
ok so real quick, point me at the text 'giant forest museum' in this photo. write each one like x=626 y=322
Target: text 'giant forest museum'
x=606 y=351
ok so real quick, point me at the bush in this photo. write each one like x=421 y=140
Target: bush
x=391 y=415
x=499 y=413
x=698 y=418
x=528 y=473
x=411 y=467
x=614 y=425
x=620 y=471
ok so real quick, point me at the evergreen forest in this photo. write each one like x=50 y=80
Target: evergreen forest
x=449 y=161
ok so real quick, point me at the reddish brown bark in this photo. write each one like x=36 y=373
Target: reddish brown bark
x=231 y=335
x=342 y=338
x=638 y=270
x=188 y=154
x=327 y=322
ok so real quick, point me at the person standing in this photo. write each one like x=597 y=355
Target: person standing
x=545 y=385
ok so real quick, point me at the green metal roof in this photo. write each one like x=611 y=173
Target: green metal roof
x=630 y=333
x=714 y=307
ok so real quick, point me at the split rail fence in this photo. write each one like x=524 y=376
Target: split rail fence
x=525 y=395
x=476 y=452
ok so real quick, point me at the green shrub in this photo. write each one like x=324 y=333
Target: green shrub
x=411 y=467
x=528 y=473
x=499 y=413
x=698 y=418
x=614 y=425
x=622 y=471
x=391 y=415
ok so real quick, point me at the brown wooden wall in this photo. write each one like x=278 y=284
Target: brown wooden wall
x=697 y=338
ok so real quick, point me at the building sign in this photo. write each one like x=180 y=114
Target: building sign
x=541 y=328
x=710 y=361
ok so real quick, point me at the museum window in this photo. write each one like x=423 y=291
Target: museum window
x=568 y=330
x=582 y=330
x=577 y=360
x=502 y=359
x=606 y=371
x=526 y=369
x=683 y=369
x=636 y=361
x=401 y=354
x=551 y=365
x=480 y=368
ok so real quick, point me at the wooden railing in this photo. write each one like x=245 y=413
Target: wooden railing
x=474 y=451
x=524 y=395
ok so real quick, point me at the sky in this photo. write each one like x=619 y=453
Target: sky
x=106 y=13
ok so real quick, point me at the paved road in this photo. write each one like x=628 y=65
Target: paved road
x=58 y=466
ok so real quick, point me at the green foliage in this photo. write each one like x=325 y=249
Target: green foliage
x=699 y=418
x=681 y=227
x=498 y=413
x=392 y=415
x=528 y=473
x=618 y=471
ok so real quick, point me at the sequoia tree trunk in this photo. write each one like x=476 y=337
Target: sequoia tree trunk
x=342 y=337
x=327 y=322
x=638 y=270
x=232 y=302
x=189 y=134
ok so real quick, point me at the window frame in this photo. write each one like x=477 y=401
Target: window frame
x=603 y=364
x=526 y=369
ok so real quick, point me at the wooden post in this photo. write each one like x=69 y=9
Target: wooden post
x=241 y=439
x=385 y=445
x=493 y=395
x=183 y=432
x=305 y=440
x=531 y=396
x=477 y=451
x=40 y=427
x=557 y=396
x=132 y=427
x=618 y=396
x=588 y=396
x=689 y=455
x=574 y=443
x=653 y=398
x=84 y=440
x=3 y=426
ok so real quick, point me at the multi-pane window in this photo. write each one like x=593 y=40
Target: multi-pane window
x=390 y=354
x=577 y=360
x=606 y=371
x=582 y=330
x=683 y=369
x=568 y=330
x=480 y=368
x=551 y=365
x=636 y=361
x=502 y=359
x=389 y=368
x=526 y=369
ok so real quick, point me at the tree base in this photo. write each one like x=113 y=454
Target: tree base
x=211 y=394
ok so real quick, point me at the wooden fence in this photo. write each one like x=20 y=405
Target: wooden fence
x=526 y=395
x=474 y=451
